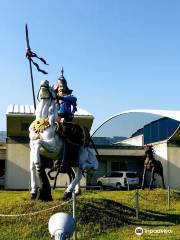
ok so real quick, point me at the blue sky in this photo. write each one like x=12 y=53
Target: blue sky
x=117 y=55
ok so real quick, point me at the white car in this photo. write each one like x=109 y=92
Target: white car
x=118 y=179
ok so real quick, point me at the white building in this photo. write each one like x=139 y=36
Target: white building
x=138 y=128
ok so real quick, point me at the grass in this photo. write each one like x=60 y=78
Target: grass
x=101 y=215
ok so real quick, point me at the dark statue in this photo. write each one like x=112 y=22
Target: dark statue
x=152 y=165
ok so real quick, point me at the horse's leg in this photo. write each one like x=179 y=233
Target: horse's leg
x=152 y=178
x=45 y=189
x=161 y=174
x=70 y=188
x=162 y=177
x=88 y=161
x=36 y=155
x=34 y=185
x=143 y=179
x=77 y=189
x=71 y=174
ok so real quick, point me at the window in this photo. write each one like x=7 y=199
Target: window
x=116 y=174
x=118 y=166
x=131 y=175
x=2 y=168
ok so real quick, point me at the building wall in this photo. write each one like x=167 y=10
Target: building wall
x=2 y=151
x=134 y=141
x=174 y=165
x=161 y=154
x=17 y=175
x=2 y=163
x=17 y=166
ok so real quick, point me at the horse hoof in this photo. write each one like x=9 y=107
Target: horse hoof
x=67 y=196
x=33 y=196
x=78 y=193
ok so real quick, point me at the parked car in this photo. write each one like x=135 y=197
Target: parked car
x=119 y=179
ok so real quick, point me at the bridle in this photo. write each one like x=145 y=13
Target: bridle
x=48 y=89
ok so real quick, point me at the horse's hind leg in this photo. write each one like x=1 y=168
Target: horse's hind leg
x=143 y=179
x=45 y=191
x=71 y=187
x=162 y=177
x=34 y=184
x=71 y=174
x=77 y=189
x=152 y=178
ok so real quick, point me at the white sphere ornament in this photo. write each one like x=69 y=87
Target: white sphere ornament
x=61 y=226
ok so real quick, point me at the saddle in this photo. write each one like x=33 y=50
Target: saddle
x=74 y=134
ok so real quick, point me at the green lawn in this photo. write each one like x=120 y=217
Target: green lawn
x=101 y=215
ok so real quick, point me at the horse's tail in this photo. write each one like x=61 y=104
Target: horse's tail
x=90 y=141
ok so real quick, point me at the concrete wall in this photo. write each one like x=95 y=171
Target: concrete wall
x=134 y=141
x=17 y=166
x=2 y=163
x=174 y=165
x=17 y=175
x=169 y=155
x=161 y=154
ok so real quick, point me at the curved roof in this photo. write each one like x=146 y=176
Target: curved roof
x=162 y=113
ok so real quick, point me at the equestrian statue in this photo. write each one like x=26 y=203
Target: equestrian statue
x=53 y=136
x=152 y=165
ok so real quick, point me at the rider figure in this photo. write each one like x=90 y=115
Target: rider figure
x=65 y=101
x=66 y=106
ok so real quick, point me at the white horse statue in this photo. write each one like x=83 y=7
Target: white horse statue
x=45 y=143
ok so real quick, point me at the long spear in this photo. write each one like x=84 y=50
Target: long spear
x=30 y=66
x=30 y=55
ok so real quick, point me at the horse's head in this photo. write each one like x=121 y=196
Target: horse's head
x=45 y=91
x=46 y=105
x=149 y=150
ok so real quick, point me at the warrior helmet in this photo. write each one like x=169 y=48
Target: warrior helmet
x=63 y=81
